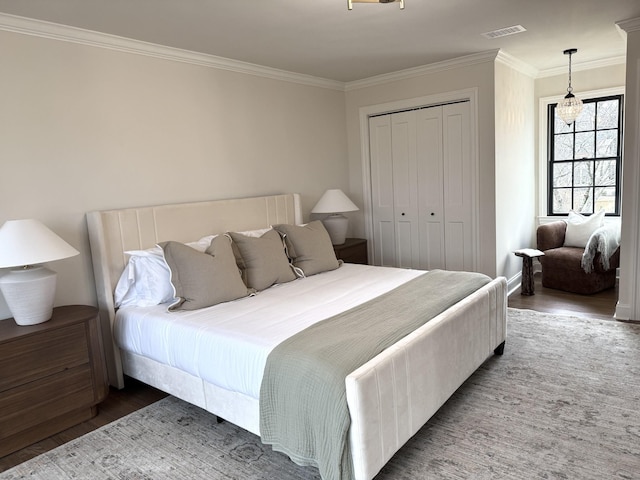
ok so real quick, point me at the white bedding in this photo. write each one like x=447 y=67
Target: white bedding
x=228 y=344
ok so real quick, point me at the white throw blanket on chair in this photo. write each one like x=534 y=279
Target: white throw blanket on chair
x=604 y=240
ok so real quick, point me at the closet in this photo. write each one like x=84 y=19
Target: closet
x=422 y=188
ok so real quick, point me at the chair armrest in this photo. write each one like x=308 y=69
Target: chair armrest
x=551 y=235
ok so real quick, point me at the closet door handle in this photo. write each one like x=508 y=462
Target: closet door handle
x=403 y=214
x=432 y=214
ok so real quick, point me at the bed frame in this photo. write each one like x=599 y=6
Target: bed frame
x=390 y=397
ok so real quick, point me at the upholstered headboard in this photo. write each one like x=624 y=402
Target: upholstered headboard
x=112 y=232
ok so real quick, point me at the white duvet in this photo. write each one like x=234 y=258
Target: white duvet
x=228 y=344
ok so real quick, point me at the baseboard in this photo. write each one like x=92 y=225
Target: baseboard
x=514 y=283
x=623 y=312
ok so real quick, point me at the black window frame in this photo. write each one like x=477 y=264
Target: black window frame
x=551 y=109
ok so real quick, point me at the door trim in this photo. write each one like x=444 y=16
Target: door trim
x=470 y=95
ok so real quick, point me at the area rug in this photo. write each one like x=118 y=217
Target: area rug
x=561 y=403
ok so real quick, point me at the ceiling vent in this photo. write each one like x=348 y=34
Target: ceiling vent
x=503 y=32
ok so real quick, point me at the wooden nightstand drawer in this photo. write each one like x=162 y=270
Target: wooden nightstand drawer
x=37 y=402
x=52 y=375
x=353 y=250
x=42 y=354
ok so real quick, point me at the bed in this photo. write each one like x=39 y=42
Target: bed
x=388 y=398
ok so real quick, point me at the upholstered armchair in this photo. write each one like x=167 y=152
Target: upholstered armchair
x=576 y=269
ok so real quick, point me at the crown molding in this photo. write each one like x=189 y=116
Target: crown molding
x=630 y=25
x=464 y=61
x=517 y=64
x=577 y=67
x=55 y=31
x=64 y=33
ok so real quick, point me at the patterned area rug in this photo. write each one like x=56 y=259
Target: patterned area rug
x=562 y=403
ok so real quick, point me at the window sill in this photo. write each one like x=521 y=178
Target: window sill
x=548 y=219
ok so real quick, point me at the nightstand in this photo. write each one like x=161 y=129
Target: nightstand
x=353 y=250
x=52 y=375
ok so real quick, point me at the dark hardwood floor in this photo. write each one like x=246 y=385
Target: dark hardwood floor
x=599 y=305
x=118 y=403
x=136 y=395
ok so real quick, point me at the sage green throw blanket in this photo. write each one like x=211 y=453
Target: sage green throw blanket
x=303 y=403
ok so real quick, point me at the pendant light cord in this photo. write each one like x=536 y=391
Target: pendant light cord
x=569 y=88
x=570 y=52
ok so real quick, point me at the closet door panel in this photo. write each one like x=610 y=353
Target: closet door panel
x=422 y=191
x=432 y=246
x=385 y=245
x=457 y=170
x=430 y=192
x=454 y=253
x=405 y=188
x=382 y=192
x=405 y=247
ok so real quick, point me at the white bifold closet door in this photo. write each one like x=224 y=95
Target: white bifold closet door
x=421 y=188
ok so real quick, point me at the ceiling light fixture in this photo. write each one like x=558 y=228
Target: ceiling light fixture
x=570 y=107
x=351 y=2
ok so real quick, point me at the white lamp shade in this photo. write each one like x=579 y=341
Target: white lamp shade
x=334 y=201
x=29 y=242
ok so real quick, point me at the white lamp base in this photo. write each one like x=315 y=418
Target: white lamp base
x=29 y=293
x=336 y=225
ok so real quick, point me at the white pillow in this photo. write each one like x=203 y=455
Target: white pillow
x=146 y=279
x=201 y=245
x=580 y=228
x=255 y=233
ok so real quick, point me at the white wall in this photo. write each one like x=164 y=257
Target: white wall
x=581 y=80
x=515 y=167
x=478 y=75
x=87 y=128
x=628 y=307
x=628 y=74
x=602 y=78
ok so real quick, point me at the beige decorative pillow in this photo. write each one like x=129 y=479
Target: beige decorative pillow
x=262 y=260
x=309 y=247
x=203 y=279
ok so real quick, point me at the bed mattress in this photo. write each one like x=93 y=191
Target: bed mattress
x=227 y=345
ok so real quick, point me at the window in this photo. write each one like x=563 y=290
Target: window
x=585 y=158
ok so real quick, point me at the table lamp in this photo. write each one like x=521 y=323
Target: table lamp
x=29 y=288
x=335 y=202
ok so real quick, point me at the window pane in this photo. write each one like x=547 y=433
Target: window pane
x=605 y=172
x=561 y=200
x=559 y=126
x=583 y=174
x=607 y=143
x=562 y=174
x=582 y=200
x=587 y=118
x=585 y=145
x=584 y=158
x=563 y=147
x=608 y=114
x=606 y=199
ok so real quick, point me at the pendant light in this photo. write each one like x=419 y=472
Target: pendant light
x=570 y=106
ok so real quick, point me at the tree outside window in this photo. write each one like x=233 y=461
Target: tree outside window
x=585 y=158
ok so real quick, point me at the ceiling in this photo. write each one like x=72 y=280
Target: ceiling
x=323 y=39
